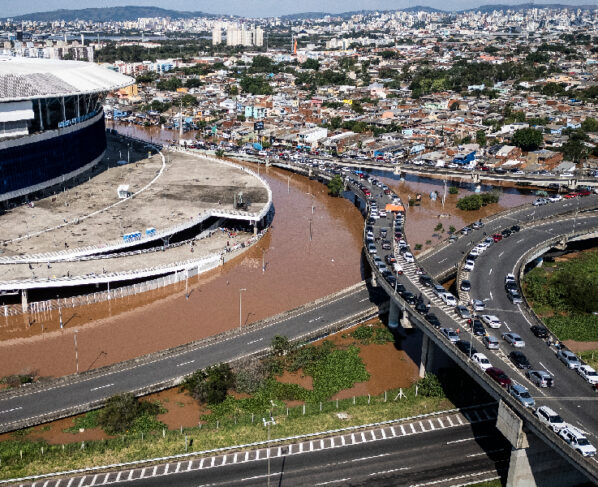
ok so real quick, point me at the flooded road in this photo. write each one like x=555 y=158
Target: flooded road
x=306 y=254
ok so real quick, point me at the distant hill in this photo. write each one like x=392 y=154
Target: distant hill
x=114 y=14
x=526 y=6
x=119 y=14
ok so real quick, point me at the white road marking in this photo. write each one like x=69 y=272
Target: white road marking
x=507 y=325
x=485 y=453
x=364 y=299
x=334 y=481
x=390 y=471
x=490 y=272
x=11 y=410
x=315 y=319
x=255 y=341
x=101 y=387
x=185 y=363
x=545 y=368
x=443 y=260
x=460 y=477
x=491 y=297
x=361 y=459
x=466 y=439
x=500 y=255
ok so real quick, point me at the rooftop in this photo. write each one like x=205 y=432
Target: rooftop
x=30 y=78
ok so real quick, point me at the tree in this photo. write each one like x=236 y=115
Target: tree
x=193 y=83
x=311 y=64
x=336 y=186
x=210 y=385
x=280 y=345
x=232 y=90
x=122 y=410
x=589 y=125
x=528 y=139
x=219 y=153
x=189 y=100
x=480 y=137
x=170 y=84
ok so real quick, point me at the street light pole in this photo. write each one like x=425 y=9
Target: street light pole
x=263 y=261
x=59 y=313
x=267 y=424
x=241 y=307
x=76 y=351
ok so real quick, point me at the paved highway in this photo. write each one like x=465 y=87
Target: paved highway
x=571 y=396
x=137 y=376
x=444 y=258
x=438 y=450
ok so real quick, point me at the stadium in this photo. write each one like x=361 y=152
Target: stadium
x=51 y=121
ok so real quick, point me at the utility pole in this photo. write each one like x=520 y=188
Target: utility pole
x=241 y=307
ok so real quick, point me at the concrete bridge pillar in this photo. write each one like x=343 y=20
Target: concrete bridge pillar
x=24 y=301
x=405 y=321
x=533 y=463
x=310 y=172
x=393 y=315
x=255 y=228
x=475 y=177
x=397 y=169
x=572 y=184
x=426 y=356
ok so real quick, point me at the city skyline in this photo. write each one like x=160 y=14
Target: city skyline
x=260 y=8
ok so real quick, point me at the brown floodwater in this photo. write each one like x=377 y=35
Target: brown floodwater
x=298 y=270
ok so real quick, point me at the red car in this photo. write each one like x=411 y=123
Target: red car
x=585 y=192
x=497 y=237
x=499 y=376
x=571 y=195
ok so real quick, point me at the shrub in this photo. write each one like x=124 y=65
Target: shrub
x=210 y=385
x=453 y=190
x=363 y=333
x=476 y=201
x=250 y=375
x=123 y=412
x=430 y=386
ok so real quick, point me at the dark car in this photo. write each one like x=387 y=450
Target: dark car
x=390 y=259
x=409 y=297
x=499 y=376
x=421 y=307
x=465 y=285
x=466 y=347
x=506 y=233
x=515 y=228
x=478 y=328
x=426 y=280
x=433 y=320
x=519 y=359
x=386 y=245
x=390 y=279
x=400 y=288
x=539 y=331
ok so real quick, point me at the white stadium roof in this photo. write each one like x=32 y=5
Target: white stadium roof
x=32 y=78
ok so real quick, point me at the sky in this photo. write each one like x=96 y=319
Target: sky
x=254 y=8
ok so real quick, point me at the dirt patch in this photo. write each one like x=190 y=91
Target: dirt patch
x=576 y=346
x=305 y=381
x=181 y=408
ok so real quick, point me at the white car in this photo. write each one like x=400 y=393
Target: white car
x=481 y=360
x=577 y=440
x=478 y=305
x=475 y=252
x=469 y=265
x=554 y=198
x=491 y=321
x=588 y=373
x=408 y=256
x=448 y=299
x=479 y=248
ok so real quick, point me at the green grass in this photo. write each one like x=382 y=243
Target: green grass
x=580 y=327
x=590 y=357
x=227 y=432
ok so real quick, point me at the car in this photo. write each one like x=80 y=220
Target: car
x=475 y=252
x=499 y=376
x=481 y=361
x=465 y=285
x=588 y=373
x=390 y=279
x=426 y=280
x=571 y=195
x=433 y=320
x=576 y=439
x=466 y=347
x=386 y=245
x=490 y=342
x=478 y=305
x=372 y=248
x=408 y=256
x=478 y=224
x=540 y=202
x=513 y=339
x=539 y=331
x=382 y=268
x=421 y=306
x=397 y=268
x=540 y=377
x=491 y=321
x=448 y=299
x=390 y=259
x=550 y=418
x=450 y=334
x=510 y=278
x=568 y=358
x=554 y=198
x=506 y=233
x=515 y=228
x=521 y=393
x=477 y=328
x=469 y=265
x=497 y=237
x=409 y=297
x=519 y=359
x=462 y=311
x=515 y=297
x=465 y=230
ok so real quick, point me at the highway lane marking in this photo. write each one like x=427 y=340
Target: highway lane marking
x=101 y=387
x=185 y=363
x=255 y=341
x=443 y=260
x=332 y=481
x=491 y=297
x=490 y=272
x=389 y=471
x=460 y=477
x=507 y=325
x=500 y=255
x=467 y=439
x=485 y=453
x=361 y=459
x=11 y=410
x=571 y=398
x=546 y=368
x=316 y=319
x=364 y=299
x=520 y=240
